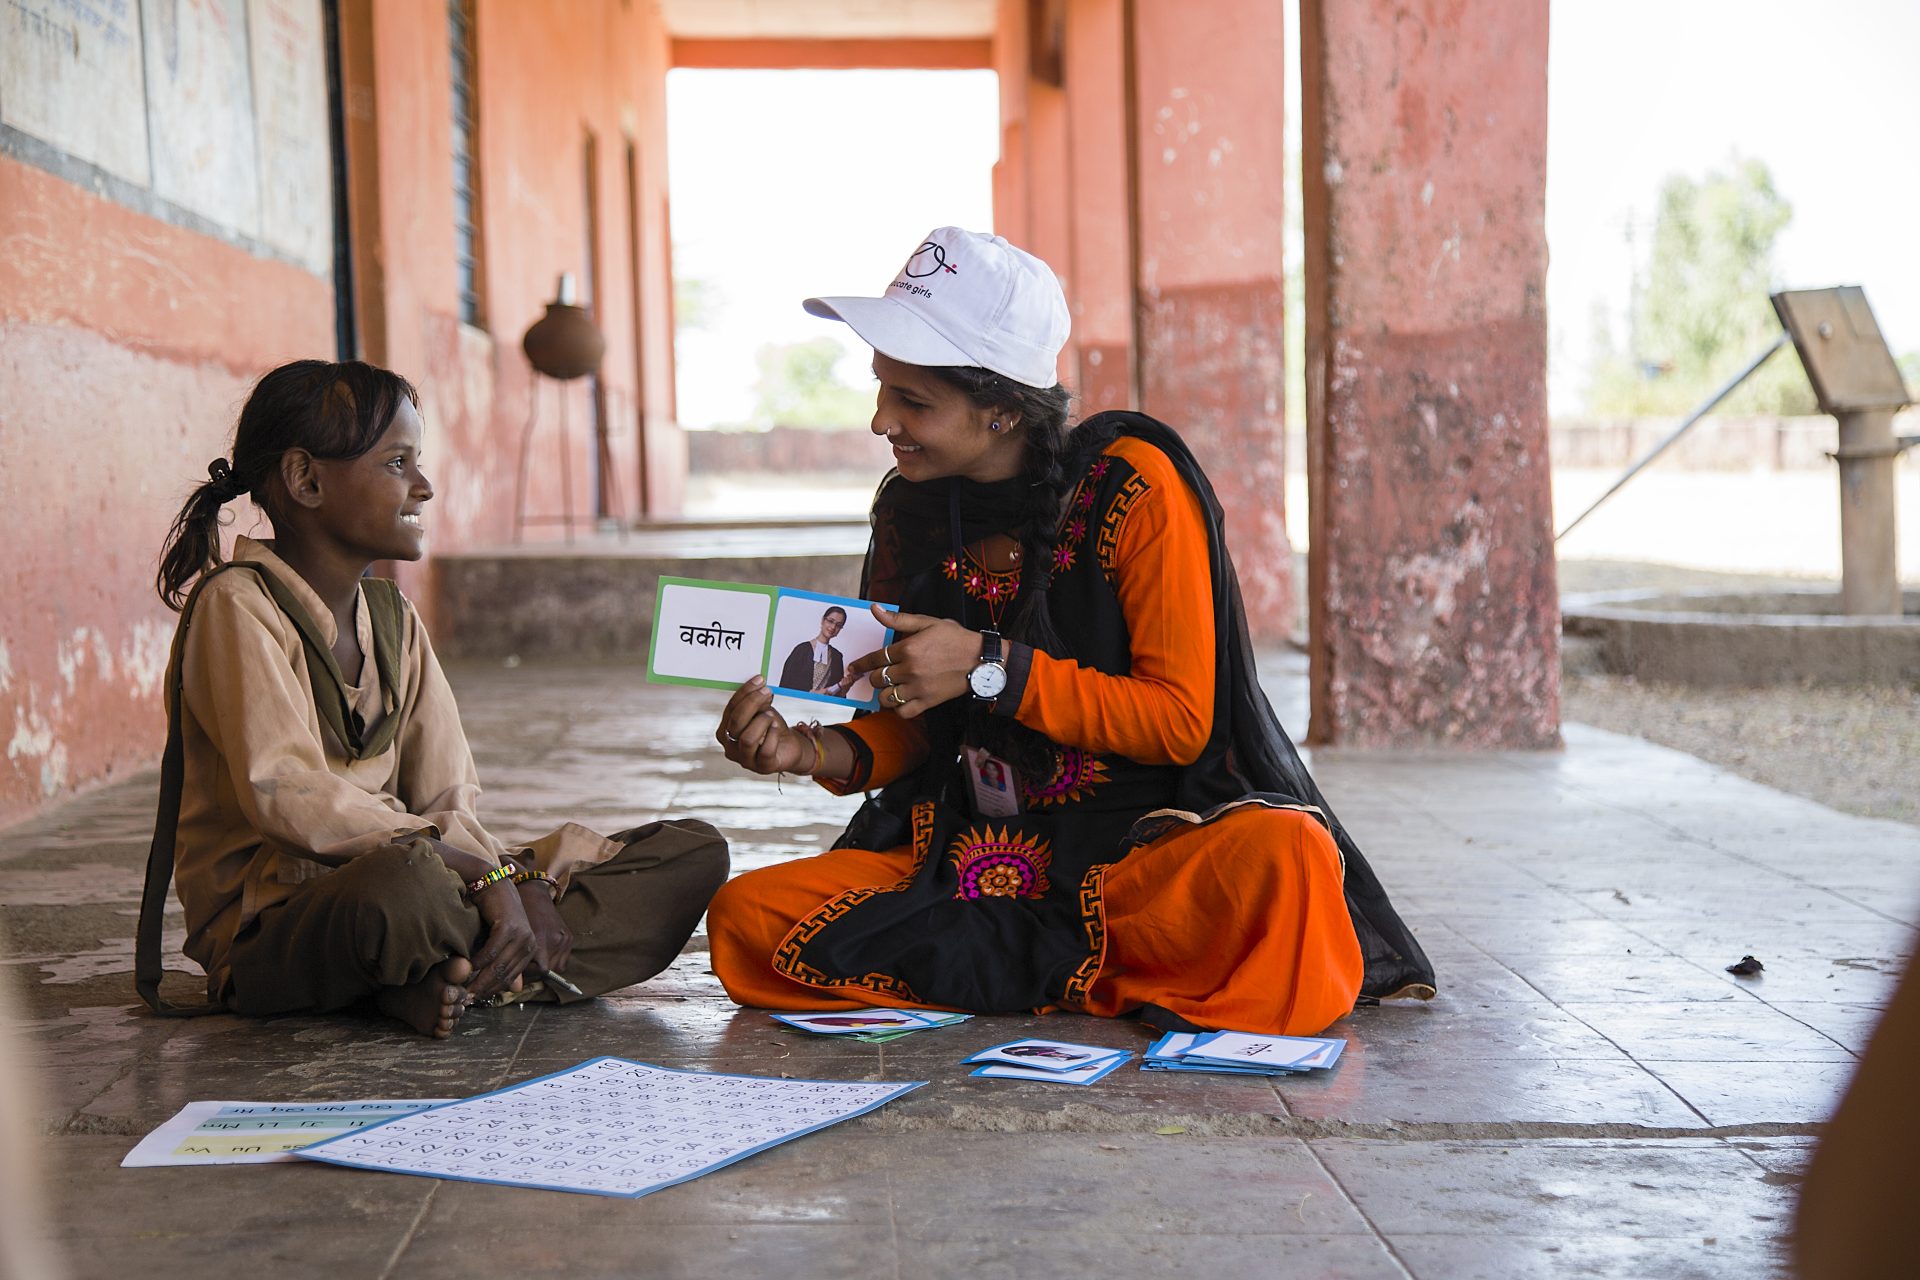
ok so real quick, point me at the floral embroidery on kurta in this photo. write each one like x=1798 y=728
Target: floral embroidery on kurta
x=1077 y=774
x=1001 y=864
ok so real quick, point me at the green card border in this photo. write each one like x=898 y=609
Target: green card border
x=653 y=631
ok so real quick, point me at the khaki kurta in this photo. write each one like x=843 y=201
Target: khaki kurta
x=270 y=798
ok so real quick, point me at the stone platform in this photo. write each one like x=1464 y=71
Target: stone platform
x=1590 y=1095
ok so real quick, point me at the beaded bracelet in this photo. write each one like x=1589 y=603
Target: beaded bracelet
x=530 y=876
x=493 y=877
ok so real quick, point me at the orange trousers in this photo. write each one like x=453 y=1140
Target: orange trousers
x=1240 y=924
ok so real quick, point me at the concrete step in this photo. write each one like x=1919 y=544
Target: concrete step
x=593 y=597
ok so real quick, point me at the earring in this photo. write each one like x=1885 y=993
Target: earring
x=993 y=426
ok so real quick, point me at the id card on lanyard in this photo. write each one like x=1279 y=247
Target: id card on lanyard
x=992 y=784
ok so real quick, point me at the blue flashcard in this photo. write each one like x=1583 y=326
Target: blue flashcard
x=1084 y=1075
x=1242 y=1049
x=608 y=1127
x=717 y=634
x=1047 y=1055
x=847 y=1022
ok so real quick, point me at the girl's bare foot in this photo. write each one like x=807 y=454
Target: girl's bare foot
x=434 y=1004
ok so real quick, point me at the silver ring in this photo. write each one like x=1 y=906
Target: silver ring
x=887 y=649
x=729 y=737
x=898 y=701
x=886 y=679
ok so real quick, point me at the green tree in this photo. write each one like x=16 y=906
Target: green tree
x=1701 y=306
x=798 y=387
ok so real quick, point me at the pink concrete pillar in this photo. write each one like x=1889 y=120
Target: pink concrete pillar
x=1100 y=204
x=1209 y=152
x=1434 y=614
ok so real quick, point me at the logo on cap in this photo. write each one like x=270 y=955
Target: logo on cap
x=929 y=259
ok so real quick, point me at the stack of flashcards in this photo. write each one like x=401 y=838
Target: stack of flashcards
x=1240 y=1053
x=870 y=1024
x=1052 y=1061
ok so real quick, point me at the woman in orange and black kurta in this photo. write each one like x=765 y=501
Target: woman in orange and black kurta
x=1085 y=801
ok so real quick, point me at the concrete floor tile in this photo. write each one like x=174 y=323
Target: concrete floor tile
x=1786 y=1157
x=1553 y=1257
x=1847 y=980
x=1735 y=1031
x=967 y=1185
x=1021 y=1253
x=1674 y=1189
x=270 y=1220
x=1571 y=980
x=1507 y=866
x=1577 y=933
x=836 y=1177
x=602 y=1242
x=1710 y=936
x=150 y=1090
x=1450 y=1030
x=1850 y=1025
x=1487 y=1095
x=1741 y=1093
x=1472 y=979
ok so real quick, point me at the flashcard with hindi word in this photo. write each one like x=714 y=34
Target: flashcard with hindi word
x=718 y=634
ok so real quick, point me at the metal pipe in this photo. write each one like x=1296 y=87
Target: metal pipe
x=1706 y=407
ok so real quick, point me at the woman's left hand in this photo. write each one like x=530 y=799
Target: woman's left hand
x=926 y=665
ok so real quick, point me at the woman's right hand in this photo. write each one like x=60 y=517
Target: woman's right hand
x=509 y=945
x=757 y=737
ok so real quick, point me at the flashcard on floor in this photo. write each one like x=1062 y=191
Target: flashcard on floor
x=608 y=1127
x=848 y=1022
x=1047 y=1055
x=260 y=1132
x=1081 y=1075
x=1287 y=1053
x=716 y=635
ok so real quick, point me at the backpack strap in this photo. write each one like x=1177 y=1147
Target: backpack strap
x=386 y=609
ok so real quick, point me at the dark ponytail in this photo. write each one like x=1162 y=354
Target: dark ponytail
x=1042 y=414
x=331 y=410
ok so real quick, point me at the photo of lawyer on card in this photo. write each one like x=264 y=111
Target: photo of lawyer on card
x=815 y=638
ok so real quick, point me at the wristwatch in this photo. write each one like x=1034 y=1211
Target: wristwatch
x=988 y=679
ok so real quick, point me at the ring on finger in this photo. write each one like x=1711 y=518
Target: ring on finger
x=884 y=677
x=729 y=737
x=898 y=701
x=887 y=649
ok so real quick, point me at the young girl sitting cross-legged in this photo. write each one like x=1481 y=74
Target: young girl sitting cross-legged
x=318 y=795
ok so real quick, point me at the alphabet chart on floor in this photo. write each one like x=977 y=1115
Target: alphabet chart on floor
x=609 y=1127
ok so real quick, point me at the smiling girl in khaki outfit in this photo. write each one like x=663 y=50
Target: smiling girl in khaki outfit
x=319 y=797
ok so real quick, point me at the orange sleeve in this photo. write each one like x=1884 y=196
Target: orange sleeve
x=1161 y=712
x=884 y=748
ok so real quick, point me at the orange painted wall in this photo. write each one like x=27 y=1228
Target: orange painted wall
x=543 y=86
x=127 y=345
x=1152 y=180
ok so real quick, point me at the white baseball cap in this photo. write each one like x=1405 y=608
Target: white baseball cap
x=965 y=298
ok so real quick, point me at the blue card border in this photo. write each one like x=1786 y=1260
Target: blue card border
x=981 y=1071
x=1102 y=1057
x=782 y=593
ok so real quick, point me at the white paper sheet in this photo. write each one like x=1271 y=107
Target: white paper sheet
x=607 y=1127
x=260 y=1132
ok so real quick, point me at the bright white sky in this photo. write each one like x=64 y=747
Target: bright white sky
x=1825 y=92
x=791 y=183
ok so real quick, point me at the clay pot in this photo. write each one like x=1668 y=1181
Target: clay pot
x=564 y=343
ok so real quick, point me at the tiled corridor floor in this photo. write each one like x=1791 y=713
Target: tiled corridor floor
x=1590 y=1095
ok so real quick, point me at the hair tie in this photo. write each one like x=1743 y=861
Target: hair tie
x=220 y=477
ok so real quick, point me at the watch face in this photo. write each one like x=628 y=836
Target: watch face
x=987 y=680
